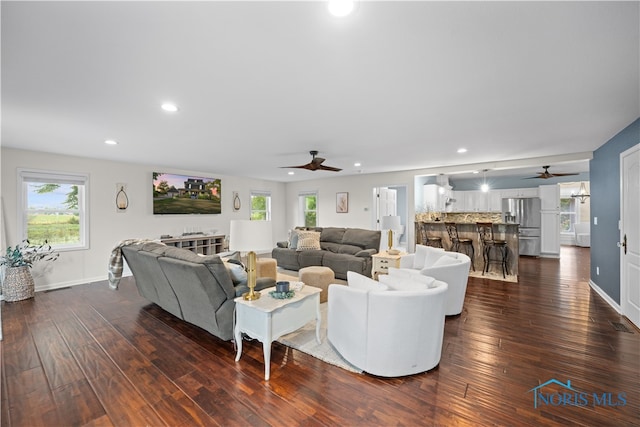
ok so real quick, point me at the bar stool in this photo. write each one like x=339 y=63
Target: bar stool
x=458 y=243
x=426 y=239
x=489 y=243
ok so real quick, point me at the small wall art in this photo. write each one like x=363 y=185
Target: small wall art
x=236 y=201
x=342 y=202
x=122 y=200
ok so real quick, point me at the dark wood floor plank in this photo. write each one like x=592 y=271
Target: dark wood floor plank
x=89 y=355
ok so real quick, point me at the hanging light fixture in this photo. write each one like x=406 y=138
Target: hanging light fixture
x=484 y=187
x=583 y=194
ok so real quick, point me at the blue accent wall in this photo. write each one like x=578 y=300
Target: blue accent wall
x=604 y=169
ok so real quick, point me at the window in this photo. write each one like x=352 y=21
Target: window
x=260 y=206
x=568 y=214
x=308 y=203
x=52 y=206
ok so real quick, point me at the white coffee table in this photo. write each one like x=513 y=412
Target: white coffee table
x=267 y=319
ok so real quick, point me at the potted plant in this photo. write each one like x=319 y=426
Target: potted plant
x=18 y=282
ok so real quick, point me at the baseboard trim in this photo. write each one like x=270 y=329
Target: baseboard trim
x=59 y=285
x=605 y=297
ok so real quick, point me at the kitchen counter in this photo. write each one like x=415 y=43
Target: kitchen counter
x=502 y=231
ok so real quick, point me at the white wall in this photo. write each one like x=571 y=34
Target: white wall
x=361 y=203
x=107 y=226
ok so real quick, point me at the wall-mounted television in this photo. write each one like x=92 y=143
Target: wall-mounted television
x=183 y=194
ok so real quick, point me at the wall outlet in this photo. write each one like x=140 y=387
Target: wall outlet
x=597 y=271
x=595 y=220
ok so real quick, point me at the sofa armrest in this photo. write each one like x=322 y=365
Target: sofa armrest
x=366 y=253
x=283 y=244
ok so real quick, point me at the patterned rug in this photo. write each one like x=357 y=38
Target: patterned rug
x=304 y=339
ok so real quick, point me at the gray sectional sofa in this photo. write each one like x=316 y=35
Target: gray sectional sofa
x=197 y=289
x=341 y=249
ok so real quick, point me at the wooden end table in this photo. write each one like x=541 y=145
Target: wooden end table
x=382 y=261
x=267 y=319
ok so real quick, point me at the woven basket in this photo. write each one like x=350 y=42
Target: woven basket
x=18 y=284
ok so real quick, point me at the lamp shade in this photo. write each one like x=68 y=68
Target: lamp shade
x=391 y=222
x=247 y=235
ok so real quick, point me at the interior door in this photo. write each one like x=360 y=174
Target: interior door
x=388 y=202
x=630 y=234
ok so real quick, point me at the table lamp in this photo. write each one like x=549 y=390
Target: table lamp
x=391 y=222
x=250 y=236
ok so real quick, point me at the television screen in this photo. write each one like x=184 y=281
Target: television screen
x=181 y=194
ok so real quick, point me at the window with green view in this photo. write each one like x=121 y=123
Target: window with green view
x=53 y=209
x=308 y=207
x=260 y=206
x=568 y=214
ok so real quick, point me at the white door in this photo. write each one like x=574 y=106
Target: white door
x=630 y=234
x=388 y=202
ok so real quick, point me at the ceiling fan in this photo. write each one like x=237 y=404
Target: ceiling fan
x=546 y=174
x=315 y=164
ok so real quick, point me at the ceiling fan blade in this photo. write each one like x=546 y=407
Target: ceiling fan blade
x=329 y=168
x=563 y=174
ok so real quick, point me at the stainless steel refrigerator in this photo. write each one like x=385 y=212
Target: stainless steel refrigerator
x=526 y=212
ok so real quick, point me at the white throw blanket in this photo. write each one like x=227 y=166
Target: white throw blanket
x=116 y=263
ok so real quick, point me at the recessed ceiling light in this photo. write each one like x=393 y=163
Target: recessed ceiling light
x=462 y=150
x=341 y=8
x=476 y=171
x=169 y=107
x=357 y=164
x=111 y=142
x=292 y=173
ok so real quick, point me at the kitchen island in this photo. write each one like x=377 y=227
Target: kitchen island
x=502 y=231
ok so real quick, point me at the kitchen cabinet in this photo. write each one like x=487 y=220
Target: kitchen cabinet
x=550 y=221
x=476 y=201
x=519 y=192
x=495 y=201
x=550 y=197
x=436 y=197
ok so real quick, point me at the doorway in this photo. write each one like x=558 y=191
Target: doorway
x=392 y=200
x=630 y=234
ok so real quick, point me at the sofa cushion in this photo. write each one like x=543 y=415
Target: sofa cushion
x=349 y=249
x=308 y=240
x=237 y=272
x=358 y=281
x=365 y=239
x=332 y=234
x=330 y=246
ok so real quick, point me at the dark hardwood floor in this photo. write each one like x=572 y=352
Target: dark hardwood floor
x=88 y=355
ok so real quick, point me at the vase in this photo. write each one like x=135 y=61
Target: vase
x=18 y=284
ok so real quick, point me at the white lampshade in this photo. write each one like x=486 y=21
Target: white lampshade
x=391 y=222
x=246 y=235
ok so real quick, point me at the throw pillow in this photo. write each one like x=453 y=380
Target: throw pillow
x=308 y=241
x=413 y=283
x=358 y=281
x=293 y=239
x=425 y=256
x=446 y=260
x=237 y=272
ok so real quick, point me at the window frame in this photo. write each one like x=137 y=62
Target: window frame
x=26 y=176
x=302 y=207
x=267 y=211
x=575 y=213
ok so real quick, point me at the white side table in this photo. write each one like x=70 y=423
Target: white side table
x=267 y=319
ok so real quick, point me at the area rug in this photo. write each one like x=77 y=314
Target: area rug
x=304 y=339
x=494 y=276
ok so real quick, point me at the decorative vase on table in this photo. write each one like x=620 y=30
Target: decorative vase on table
x=18 y=284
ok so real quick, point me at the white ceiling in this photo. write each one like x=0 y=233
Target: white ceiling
x=396 y=86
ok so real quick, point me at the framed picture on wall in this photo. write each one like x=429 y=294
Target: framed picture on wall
x=342 y=202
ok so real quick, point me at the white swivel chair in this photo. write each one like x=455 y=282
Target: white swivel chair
x=449 y=267
x=389 y=333
x=582 y=232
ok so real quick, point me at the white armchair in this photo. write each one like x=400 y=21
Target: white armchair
x=449 y=267
x=582 y=232
x=388 y=333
